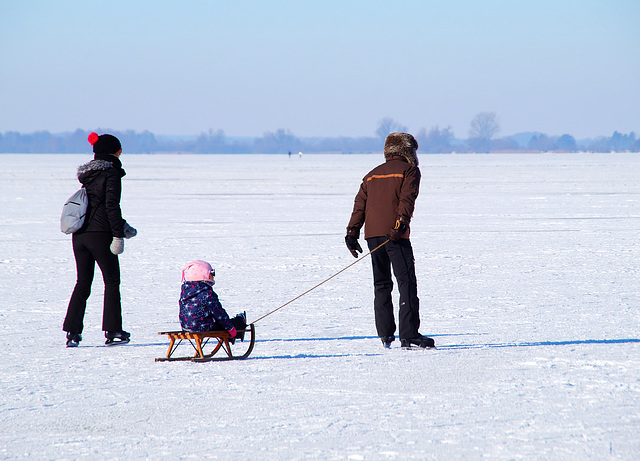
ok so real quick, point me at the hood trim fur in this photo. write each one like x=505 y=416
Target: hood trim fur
x=94 y=165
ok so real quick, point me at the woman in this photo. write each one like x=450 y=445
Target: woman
x=100 y=240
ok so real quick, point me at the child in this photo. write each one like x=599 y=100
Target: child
x=200 y=309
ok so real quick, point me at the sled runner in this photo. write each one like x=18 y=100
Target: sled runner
x=200 y=339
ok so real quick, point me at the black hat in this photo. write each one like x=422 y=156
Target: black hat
x=105 y=144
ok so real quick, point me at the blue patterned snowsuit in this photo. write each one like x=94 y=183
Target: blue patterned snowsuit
x=200 y=309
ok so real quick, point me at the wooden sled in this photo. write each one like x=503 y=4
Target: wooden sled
x=200 y=339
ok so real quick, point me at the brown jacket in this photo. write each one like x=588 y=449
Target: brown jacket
x=388 y=192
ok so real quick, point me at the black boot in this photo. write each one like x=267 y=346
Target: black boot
x=423 y=342
x=73 y=339
x=387 y=340
x=117 y=337
x=240 y=324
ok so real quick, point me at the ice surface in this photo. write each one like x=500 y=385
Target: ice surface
x=528 y=278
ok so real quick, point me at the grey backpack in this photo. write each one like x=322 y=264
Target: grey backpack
x=74 y=211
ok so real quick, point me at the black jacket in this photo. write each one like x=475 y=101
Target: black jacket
x=103 y=181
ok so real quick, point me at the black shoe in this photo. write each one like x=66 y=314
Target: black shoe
x=423 y=342
x=73 y=339
x=242 y=317
x=387 y=340
x=117 y=337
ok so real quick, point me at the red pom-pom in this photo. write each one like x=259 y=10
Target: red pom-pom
x=93 y=137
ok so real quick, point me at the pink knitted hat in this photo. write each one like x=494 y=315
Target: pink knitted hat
x=196 y=271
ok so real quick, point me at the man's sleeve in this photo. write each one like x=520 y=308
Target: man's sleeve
x=359 y=206
x=409 y=193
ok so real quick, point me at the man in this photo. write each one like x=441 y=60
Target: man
x=384 y=205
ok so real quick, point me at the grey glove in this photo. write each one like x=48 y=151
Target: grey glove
x=129 y=231
x=117 y=246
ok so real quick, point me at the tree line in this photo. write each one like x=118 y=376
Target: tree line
x=482 y=137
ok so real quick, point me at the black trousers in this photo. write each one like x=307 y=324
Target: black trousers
x=399 y=256
x=90 y=248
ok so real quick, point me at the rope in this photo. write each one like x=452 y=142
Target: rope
x=324 y=281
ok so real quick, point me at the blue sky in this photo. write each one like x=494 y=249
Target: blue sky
x=325 y=68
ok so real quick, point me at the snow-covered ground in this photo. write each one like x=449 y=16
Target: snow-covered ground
x=528 y=279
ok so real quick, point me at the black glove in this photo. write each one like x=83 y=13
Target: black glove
x=399 y=229
x=353 y=245
x=129 y=232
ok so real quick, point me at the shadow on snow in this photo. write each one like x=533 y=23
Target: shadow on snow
x=441 y=347
x=541 y=343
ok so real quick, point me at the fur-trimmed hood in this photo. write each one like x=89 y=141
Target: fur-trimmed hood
x=94 y=165
x=402 y=144
x=93 y=168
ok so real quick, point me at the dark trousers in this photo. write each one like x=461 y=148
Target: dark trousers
x=399 y=256
x=90 y=248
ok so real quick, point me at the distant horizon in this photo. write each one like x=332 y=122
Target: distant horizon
x=283 y=141
x=247 y=137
